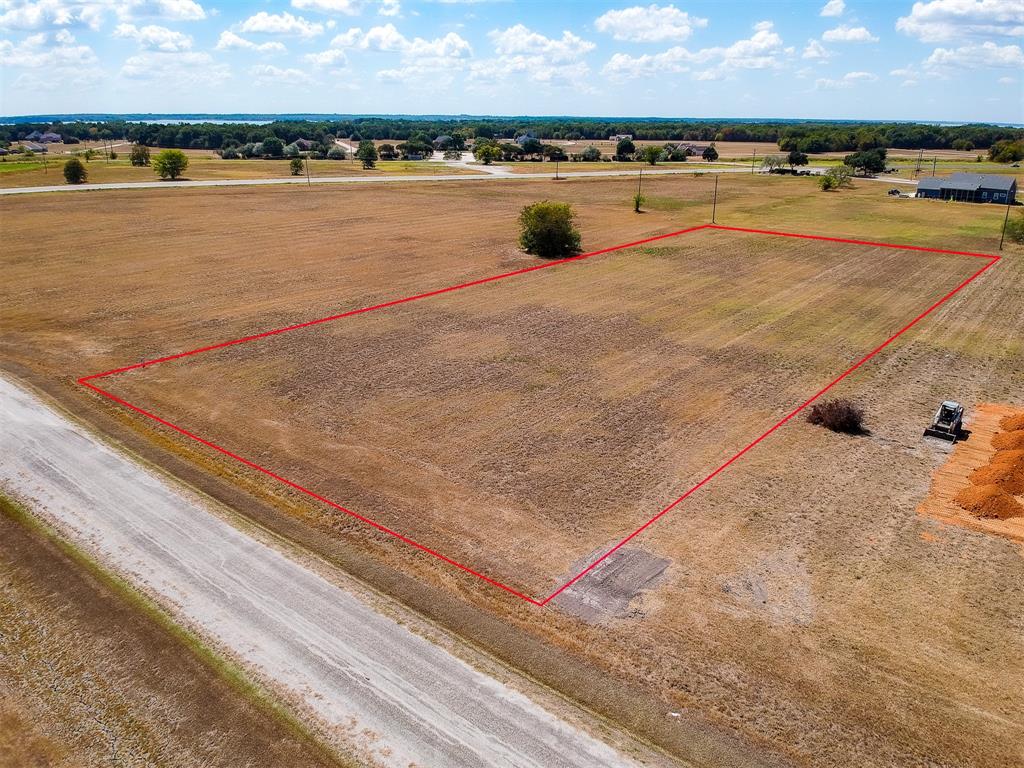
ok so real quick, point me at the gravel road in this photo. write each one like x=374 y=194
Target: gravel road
x=390 y=697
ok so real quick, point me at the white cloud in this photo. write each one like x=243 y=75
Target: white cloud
x=176 y=71
x=347 y=7
x=519 y=40
x=230 y=41
x=172 y=10
x=282 y=24
x=833 y=8
x=332 y=57
x=941 y=20
x=37 y=51
x=653 y=24
x=815 y=50
x=438 y=57
x=846 y=81
x=268 y=74
x=762 y=50
x=47 y=14
x=987 y=54
x=390 y=8
x=845 y=34
x=1007 y=81
x=154 y=38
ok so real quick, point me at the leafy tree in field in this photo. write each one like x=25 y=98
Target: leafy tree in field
x=1006 y=151
x=795 y=158
x=170 y=163
x=532 y=147
x=295 y=166
x=553 y=152
x=387 y=152
x=963 y=145
x=591 y=154
x=547 y=229
x=836 y=177
x=453 y=154
x=367 y=154
x=487 y=153
x=676 y=153
x=1015 y=228
x=230 y=153
x=511 y=151
x=273 y=147
x=336 y=153
x=651 y=154
x=771 y=162
x=710 y=153
x=625 y=149
x=113 y=155
x=139 y=156
x=74 y=171
x=868 y=162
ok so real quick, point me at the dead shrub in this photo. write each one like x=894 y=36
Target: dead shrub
x=838 y=415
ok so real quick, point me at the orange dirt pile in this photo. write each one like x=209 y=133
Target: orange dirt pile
x=988 y=501
x=1006 y=469
x=1012 y=423
x=1009 y=441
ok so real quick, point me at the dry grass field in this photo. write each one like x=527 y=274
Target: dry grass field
x=203 y=166
x=798 y=603
x=519 y=426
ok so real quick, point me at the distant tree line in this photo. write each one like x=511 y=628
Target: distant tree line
x=800 y=136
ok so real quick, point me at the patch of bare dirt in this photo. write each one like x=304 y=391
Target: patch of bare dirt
x=613 y=587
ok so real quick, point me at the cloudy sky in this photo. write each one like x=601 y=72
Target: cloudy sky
x=956 y=60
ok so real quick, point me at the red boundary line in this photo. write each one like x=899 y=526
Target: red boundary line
x=86 y=381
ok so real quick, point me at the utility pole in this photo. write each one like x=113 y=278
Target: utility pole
x=933 y=165
x=753 y=160
x=1006 y=219
x=308 y=182
x=640 y=181
x=556 y=169
x=714 y=202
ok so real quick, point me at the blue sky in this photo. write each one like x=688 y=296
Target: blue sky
x=956 y=60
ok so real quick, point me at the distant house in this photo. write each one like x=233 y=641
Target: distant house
x=299 y=145
x=442 y=142
x=621 y=136
x=34 y=136
x=970 y=188
x=3 y=152
x=520 y=140
x=50 y=138
x=31 y=146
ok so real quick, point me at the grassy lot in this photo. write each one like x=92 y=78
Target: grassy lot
x=806 y=607
x=205 y=166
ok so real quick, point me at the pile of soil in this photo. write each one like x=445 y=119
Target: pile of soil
x=988 y=501
x=1012 y=423
x=1009 y=441
x=1005 y=469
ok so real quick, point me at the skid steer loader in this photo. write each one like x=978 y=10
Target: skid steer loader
x=948 y=422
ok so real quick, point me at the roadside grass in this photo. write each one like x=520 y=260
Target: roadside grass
x=227 y=670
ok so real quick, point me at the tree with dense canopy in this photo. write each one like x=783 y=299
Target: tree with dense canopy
x=710 y=154
x=869 y=162
x=273 y=147
x=625 y=148
x=795 y=158
x=591 y=154
x=295 y=165
x=170 y=164
x=547 y=229
x=367 y=154
x=651 y=154
x=140 y=155
x=74 y=171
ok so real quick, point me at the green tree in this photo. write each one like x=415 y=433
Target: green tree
x=387 y=152
x=835 y=177
x=139 y=156
x=591 y=154
x=771 y=162
x=795 y=158
x=487 y=153
x=273 y=147
x=336 y=153
x=74 y=171
x=532 y=146
x=295 y=165
x=548 y=230
x=170 y=164
x=625 y=149
x=710 y=154
x=367 y=154
x=651 y=154
x=868 y=162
